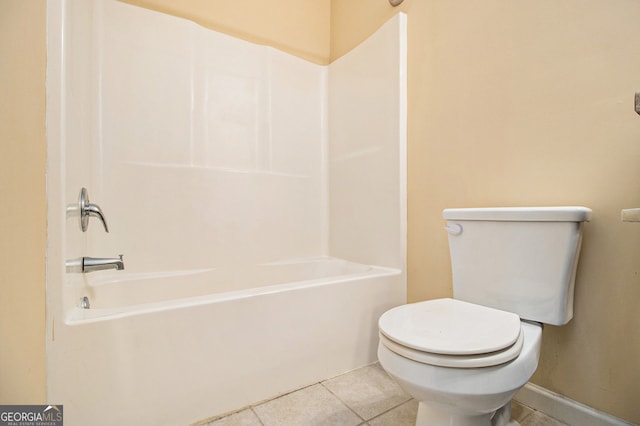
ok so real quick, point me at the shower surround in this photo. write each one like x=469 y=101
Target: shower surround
x=259 y=201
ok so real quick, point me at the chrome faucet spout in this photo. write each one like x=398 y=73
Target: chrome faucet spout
x=91 y=264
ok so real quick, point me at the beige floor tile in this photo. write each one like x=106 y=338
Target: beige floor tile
x=537 y=418
x=243 y=418
x=368 y=391
x=519 y=411
x=404 y=415
x=310 y=406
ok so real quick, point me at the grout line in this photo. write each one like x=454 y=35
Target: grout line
x=391 y=409
x=527 y=410
x=256 y=414
x=344 y=403
x=365 y=420
x=542 y=414
x=525 y=416
x=210 y=420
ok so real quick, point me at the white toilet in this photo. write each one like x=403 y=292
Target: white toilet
x=465 y=358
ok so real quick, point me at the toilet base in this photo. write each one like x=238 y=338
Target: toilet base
x=465 y=396
x=430 y=416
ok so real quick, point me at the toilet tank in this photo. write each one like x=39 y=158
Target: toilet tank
x=517 y=259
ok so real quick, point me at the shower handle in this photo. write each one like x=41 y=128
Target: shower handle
x=88 y=210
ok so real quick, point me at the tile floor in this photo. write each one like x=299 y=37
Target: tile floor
x=366 y=396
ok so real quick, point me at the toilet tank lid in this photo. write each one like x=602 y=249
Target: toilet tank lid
x=521 y=214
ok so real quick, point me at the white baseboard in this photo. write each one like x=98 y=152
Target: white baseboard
x=564 y=409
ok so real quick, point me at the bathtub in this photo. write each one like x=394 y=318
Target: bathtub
x=123 y=292
x=180 y=346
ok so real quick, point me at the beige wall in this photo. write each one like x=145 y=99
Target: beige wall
x=294 y=26
x=529 y=103
x=23 y=202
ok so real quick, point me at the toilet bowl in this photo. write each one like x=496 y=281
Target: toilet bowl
x=465 y=358
x=461 y=395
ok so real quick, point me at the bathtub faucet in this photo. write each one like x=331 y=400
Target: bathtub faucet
x=90 y=264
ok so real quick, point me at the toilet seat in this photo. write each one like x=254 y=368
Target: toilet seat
x=452 y=333
x=456 y=361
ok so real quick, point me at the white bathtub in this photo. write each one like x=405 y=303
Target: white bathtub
x=124 y=292
x=175 y=348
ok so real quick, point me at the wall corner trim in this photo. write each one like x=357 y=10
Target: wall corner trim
x=565 y=409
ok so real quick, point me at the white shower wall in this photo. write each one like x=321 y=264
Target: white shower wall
x=367 y=145
x=204 y=150
x=211 y=149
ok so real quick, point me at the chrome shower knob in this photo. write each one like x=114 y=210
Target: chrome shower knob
x=87 y=210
